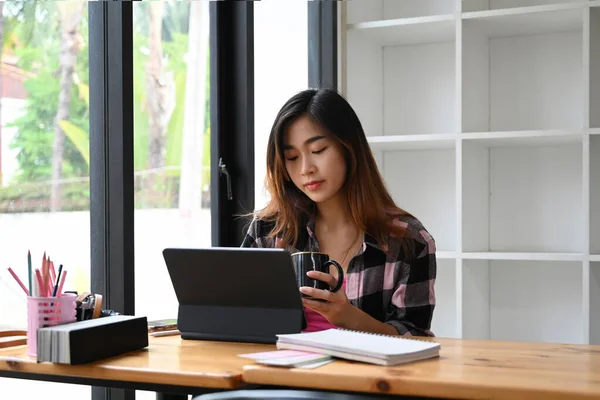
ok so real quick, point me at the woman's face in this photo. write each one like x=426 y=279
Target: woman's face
x=314 y=161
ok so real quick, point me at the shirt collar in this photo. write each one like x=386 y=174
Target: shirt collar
x=368 y=239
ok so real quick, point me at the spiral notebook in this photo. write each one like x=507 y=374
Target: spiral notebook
x=361 y=346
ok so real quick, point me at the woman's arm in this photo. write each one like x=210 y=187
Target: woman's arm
x=256 y=235
x=413 y=301
x=358 y=320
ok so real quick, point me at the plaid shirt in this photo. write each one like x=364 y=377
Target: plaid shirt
x=389 y=286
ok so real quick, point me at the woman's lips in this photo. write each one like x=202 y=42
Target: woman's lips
x=313 y=185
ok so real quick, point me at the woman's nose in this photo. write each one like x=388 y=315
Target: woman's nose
x=308 y=166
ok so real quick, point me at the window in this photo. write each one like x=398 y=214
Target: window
x=44 y=157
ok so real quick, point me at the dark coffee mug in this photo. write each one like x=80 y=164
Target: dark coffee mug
x=305 y=261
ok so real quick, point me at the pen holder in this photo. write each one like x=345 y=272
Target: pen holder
x=47 y=311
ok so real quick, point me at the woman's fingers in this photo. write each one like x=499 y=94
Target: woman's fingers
x=316 y=293
x=315 y=305
x=327 y=278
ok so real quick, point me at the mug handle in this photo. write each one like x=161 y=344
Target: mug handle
x=340 y=280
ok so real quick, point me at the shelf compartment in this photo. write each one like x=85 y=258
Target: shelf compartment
x=371 y=10
x=475 y=299
x=500 y=5
x=522 y=256
x=595 y=194
x=398 y=32
x=444 y=322
x=522 y=199
x=419 y=89
x=423 y=182
x=408 y=89
x=523 y=70
x=412 y=142
x=517 y=300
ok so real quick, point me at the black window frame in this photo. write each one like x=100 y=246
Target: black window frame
x=323 y=44
x=111 y=162
x=232 y=119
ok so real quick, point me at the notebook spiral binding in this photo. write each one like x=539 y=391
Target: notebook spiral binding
x=383 y=334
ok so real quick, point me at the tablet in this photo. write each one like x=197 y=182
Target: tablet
x=235 y=294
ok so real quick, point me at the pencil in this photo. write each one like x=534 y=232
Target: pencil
x=45 y=273
x=40 y=292
x=52 y=270
x=29 y=272
x=18 y=280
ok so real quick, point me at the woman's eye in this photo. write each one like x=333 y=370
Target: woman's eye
x=320 y=151
x=291 y=158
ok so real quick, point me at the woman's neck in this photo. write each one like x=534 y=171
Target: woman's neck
x=334 y=214
x=336 y=232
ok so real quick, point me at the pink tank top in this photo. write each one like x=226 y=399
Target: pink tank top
x=315 y=321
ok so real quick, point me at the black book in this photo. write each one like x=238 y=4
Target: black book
x=91 y=340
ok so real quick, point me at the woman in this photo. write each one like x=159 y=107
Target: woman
x=327 y=196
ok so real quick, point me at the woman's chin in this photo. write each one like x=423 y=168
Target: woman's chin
x=319 y=198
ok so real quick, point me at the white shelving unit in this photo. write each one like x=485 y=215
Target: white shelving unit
x=484 y=117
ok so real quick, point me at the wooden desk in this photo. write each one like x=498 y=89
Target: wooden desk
x=466 y=369
x=169 y=364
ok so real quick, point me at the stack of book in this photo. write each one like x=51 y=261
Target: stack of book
x=91 y=340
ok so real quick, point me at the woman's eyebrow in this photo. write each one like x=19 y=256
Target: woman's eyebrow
x=307 y=141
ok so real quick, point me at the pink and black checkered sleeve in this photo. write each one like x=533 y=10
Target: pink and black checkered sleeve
x=413 y=297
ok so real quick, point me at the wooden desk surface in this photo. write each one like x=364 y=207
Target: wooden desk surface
x=466 y=369
x=167 y=360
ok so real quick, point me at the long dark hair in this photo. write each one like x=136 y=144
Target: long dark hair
x=370 y=204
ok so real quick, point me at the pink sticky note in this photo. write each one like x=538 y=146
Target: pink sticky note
x=270 y=355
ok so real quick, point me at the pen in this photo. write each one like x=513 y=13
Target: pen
x=60 y=267
x=166 y=333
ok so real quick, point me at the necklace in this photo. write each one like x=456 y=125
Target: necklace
x=355 y=246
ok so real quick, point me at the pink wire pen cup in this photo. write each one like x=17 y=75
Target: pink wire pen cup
x=47 y=311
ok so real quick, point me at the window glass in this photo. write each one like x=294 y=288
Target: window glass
x=280 y=70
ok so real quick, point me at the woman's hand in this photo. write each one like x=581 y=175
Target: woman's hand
x=338 y=310
x=335 y=307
